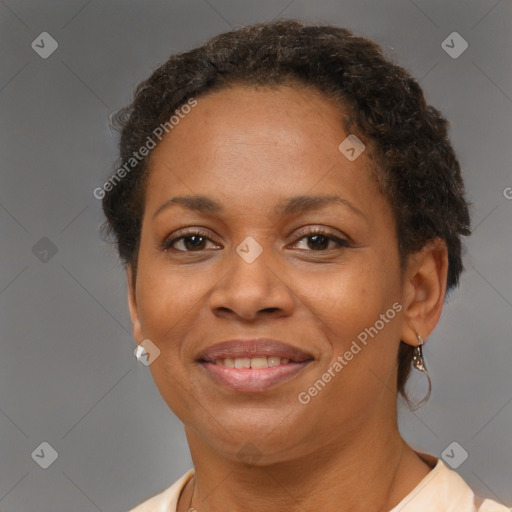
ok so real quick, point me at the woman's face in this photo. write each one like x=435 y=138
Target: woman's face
x=257 y=270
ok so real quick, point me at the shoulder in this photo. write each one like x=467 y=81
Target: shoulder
x=444 y=490
x=440 y=490
x=167 y=500
x=492 y=506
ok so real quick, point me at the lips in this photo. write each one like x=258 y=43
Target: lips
x=253 y=365
x=253 y=348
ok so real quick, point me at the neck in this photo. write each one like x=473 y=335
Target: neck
x=371 y=469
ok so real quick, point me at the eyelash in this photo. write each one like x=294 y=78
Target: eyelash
x=167 y=243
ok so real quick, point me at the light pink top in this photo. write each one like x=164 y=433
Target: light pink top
x=442 y=490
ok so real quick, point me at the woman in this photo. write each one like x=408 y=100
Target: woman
x=290 y=212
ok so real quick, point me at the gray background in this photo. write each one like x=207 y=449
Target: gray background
x=68 y=375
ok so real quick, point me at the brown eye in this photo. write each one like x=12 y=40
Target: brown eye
x=192 y=241
x=319 y=240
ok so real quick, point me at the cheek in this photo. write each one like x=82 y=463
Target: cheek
x=351 y=297
x=357 y=308
x=168 y=303
x=168 y=299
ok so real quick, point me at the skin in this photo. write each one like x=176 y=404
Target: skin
x=249 y=149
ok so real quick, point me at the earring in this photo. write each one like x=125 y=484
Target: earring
x=418 y=360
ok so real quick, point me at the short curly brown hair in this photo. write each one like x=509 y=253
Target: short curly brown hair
x=417 y=166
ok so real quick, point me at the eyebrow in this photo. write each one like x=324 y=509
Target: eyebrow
x=287 y=207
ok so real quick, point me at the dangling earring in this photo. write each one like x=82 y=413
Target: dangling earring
x=418 y=360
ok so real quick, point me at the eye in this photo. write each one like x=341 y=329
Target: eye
x=320 y=240
x=194 y=239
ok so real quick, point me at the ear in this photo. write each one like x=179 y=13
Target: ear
x=132 y=305
x=424 y=291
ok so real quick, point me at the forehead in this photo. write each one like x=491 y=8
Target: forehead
x=255 y=142
x=276 y=116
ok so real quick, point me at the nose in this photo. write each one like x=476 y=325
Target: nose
x=247 y=290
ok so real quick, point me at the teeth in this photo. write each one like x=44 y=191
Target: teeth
x=259 y=362
x=253 y=362
x=242 y=362
x=273 y=361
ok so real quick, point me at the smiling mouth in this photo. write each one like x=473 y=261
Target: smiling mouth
x=252 y=365
x=255 y=374
x=252 y=362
